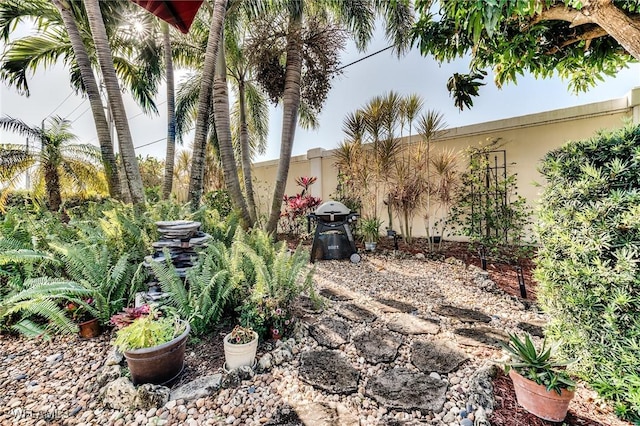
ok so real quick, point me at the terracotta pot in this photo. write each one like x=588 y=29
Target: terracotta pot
x=160 y=364
x=89 y=329
x=537 y=400
x=241 y=355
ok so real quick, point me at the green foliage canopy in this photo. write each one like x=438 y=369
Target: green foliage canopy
x=581 y=41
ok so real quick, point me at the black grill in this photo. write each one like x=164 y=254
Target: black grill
x=333 y=239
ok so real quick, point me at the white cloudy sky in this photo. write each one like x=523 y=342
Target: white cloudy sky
x=50 y=94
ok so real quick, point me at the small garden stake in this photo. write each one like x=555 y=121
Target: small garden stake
x=523 y=289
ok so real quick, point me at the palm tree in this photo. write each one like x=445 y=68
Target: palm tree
x=116 y=105
x=171 y=114
x=58 y=163
x=359 y=18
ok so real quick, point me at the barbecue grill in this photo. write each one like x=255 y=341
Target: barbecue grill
x=333 y=238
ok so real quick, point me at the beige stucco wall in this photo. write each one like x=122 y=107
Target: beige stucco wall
x=526 y=140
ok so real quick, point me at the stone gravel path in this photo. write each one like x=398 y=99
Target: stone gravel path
x=392 y=326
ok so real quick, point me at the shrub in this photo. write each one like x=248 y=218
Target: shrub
x=587 y=265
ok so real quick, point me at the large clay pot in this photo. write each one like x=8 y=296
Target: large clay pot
x=160 y=364
x=89 y=329
x=537 y=400
x=240 y=355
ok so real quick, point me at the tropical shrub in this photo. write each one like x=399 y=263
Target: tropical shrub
x=293 y=219
x=587 y=264
x=218 y=200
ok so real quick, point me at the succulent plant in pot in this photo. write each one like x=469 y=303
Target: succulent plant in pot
x=370 y=227
x=542 y=385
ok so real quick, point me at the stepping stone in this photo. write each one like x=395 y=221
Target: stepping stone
x=335 y=295
x=306 y=304
x=391 y=305
x=285 y=416
x=411 y=324
x=330 y=332
x=329 y=371
x=356 y=313
x=438 y=356
x=464 y=315
x=378 y=345
x=403 y=389
x=532 y=329
x=481 y=336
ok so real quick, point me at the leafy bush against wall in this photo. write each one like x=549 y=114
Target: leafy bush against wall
x=587 y=266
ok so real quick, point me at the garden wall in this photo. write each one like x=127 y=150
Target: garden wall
x=526 y=140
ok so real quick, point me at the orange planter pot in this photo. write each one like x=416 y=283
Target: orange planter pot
x=537 y=400
x=89 y=329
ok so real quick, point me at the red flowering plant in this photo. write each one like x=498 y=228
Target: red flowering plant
x=129 y=315
x=281 y=321
x=297 y=207
x=81 y=310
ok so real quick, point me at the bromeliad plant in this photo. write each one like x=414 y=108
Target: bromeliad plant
x=538 y=365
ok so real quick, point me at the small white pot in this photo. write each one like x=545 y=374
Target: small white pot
x=240 y=355
x=370 y=246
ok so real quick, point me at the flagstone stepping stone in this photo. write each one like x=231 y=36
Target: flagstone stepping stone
x=356 y=313
x=403 y=389
x=438 y=356
x=532 y=329
x=481 y=336
x=410 y=324
x=306 y=304
x=330 y=332
x=378 y=345
x=462 y=314
x=335 y=295
x=329 y=371
x=391 y=305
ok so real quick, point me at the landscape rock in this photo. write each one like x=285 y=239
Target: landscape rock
x=118 y=394
x=335 y=295
x=329 y=371
x=107 y=374
x=151 y=396
x=481 y=336
x=198 y=388
x=115 y=357
x=437 y=356
x=357 y=313
x=411 y=324
x=392 y=305
x=462 y=314
x=378 y=345
x=330 y=332
x=404 y=389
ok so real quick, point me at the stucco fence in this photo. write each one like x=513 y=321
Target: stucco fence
x=526 y=139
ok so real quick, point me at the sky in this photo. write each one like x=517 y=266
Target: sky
x=51 y=94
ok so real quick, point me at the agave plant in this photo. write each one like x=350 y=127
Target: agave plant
x=538 y=365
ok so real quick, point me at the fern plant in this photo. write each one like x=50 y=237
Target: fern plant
x=36 y=310
x=111 y=280
x=201 y=298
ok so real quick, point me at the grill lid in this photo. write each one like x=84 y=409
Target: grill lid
x=330 y=209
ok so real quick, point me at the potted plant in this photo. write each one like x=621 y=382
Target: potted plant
x=370 y=228
x=153 y=345
x=543 y=387
x=80 y=313
x=240 y=347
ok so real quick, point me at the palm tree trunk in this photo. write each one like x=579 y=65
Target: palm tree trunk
x=246 y=154
x=204 y=103
x=171 y=116
x=103 y=51
x=52 y=178
x=223 y=131
x=93 y=93
x=290 y=105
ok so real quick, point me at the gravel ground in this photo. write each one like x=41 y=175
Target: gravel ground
x=53 y=382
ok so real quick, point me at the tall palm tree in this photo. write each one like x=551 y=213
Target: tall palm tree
x=359 y=18
x=171 y=114
x=116 y=104
x=58 y=162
